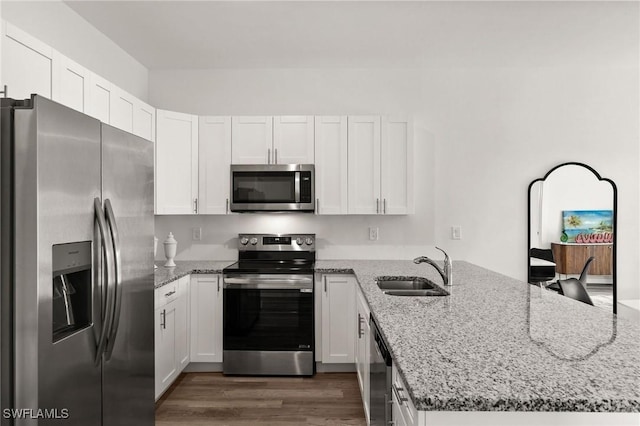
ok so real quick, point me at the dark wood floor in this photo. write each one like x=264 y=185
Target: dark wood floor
x=198 y=399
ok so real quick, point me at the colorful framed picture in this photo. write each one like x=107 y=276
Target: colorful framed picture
x=587 y=226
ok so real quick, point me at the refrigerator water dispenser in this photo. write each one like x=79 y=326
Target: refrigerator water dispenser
x=71 y=288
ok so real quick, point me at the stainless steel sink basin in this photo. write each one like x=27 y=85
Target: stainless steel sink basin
x=409 y=286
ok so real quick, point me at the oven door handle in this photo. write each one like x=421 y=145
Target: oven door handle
x=268 y=283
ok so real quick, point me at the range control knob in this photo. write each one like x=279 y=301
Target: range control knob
x=244 y=241
x=309 y=241
x=299 y=241
x=254 y=241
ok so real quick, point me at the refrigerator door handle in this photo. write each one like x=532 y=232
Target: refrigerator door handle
x=107 y=249
x=115 y=238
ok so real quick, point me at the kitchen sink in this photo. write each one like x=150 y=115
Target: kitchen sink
x=409 y=286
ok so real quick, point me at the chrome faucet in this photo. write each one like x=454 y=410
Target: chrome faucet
x=446 y=273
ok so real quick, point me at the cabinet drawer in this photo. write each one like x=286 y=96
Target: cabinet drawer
x=167 y=293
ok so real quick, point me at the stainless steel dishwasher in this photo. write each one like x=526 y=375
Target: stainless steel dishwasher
x=379 y=379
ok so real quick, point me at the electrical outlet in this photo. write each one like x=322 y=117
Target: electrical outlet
x=196 y=234
x=373 y=234
x=456 y=232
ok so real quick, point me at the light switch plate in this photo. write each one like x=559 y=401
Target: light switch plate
x=196 y=234
x=456 y=232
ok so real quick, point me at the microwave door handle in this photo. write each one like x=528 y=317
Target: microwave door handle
x=297 y=185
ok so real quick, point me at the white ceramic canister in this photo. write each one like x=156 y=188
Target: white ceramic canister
x=170 y=249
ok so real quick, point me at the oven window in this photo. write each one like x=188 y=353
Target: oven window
x=267 y=320
x=261 y=187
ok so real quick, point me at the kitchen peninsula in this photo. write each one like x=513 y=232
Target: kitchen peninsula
x=495 y=344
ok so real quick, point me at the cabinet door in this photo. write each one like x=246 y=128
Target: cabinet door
x=338 y=313
x=182 y=325
x=100 y=94
x=252 y=140
x=362 y=349
x=71 y=83
x=144 y=120
x=293 y=140
x=165 y=343
x=27 y=65
x=331 y=164
x=603 y=262
x=122 y=109
x=206 y=319
x=396 y=177
x=364 y=165
x=214 y=141
x=176 y=163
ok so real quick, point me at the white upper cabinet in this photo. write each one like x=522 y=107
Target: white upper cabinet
x=176 y=163
x=331 y=164
x=122 y=109
x=380 y=165
x=252 y=140
x=71 y=83
x=144 y=120
x=364 y=164
x=293 y=140
x=100 y=95
x=27 y=64
x=397 y=166
x=214 y=160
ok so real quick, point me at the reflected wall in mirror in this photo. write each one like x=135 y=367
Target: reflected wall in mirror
x=572 y=234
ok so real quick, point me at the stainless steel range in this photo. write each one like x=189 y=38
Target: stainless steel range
x=268 y=306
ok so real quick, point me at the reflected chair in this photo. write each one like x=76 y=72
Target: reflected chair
x=539 y=274
x=577 y=288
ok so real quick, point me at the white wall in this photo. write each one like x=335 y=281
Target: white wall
x=55 y=24
x=483 y=133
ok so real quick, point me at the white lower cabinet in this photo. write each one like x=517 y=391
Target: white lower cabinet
x=206 y=318
x=404 y=412
x=171 y=331
x=363 y=351
x=338 y=312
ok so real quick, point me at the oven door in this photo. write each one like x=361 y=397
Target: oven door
x=268 y=324
x=286 y=187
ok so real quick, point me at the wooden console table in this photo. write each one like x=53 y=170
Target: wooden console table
x=570 y=258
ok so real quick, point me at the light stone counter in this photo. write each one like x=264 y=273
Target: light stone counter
x=166 y=275
x=500 y=344
x=494 y=344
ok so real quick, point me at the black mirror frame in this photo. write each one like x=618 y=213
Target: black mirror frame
x=615 y=223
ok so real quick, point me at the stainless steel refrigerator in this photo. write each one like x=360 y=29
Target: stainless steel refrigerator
x=76 y=296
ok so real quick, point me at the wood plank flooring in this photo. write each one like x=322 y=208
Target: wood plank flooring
x=203 y=399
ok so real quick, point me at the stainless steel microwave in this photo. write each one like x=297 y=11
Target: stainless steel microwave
x=272 y=188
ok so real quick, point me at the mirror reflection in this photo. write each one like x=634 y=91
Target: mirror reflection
x=572 y=236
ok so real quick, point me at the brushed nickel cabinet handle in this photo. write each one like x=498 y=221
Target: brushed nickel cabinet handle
x=163 y=321
x=195 y=205
x=275 y=156
x=227 y=208
x=384 y=206
x=324 y=279
x=268 y=155
x=377 y=205
x=317 y=205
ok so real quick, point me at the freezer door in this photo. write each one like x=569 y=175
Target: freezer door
x=128 y=365
x=57 y=178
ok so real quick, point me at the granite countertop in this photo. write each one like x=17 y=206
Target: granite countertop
x=495 y=343
x=185 y=267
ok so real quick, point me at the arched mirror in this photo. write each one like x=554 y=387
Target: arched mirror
x=572 y=234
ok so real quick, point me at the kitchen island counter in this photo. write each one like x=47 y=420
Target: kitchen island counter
x=499 y=344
